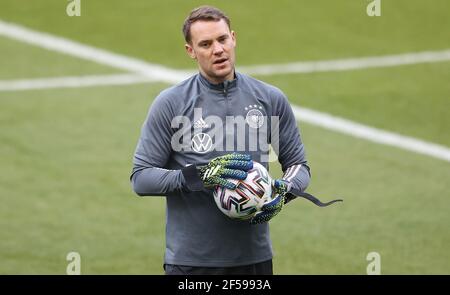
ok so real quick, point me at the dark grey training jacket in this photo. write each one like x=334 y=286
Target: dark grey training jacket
x=188 y=125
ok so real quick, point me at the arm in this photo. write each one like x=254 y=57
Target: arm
x=297 y=174
x=289 y=147
x=149 y=177
x=287 y=144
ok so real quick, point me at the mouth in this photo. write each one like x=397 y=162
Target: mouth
x=220 y=61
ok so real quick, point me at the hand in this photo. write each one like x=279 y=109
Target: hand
x=274 y=206
x=233 y=166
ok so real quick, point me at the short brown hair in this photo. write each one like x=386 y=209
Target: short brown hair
x=206 y=13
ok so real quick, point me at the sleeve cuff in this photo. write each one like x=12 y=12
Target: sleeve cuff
x=192 y=179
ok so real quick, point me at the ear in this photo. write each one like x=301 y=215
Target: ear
x=233 y=37
x=190 y=51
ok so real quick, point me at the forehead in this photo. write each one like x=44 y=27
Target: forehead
x=208 y=30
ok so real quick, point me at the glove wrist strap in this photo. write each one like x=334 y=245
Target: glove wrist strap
x=192 y=178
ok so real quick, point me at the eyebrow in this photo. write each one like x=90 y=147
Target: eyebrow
x=209 y=40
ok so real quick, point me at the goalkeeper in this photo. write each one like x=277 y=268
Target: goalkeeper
x=181 y=155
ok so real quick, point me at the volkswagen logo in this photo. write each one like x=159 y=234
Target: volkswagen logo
x=201 y=143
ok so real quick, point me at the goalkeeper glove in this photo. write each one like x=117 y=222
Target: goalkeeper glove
x=274 y=206
x=228 y=166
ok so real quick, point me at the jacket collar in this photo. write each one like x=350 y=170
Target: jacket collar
x=226 y=85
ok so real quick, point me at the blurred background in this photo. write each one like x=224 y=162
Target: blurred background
x=71 y=110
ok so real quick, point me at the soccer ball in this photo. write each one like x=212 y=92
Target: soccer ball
x=249 y=196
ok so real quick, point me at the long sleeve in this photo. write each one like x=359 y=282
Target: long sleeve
x=149 y=176
x=291 y=151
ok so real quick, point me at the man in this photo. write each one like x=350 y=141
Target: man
x=202 y=132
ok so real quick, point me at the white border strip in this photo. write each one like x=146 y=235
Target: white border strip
x=369 y=133
x=73 y=82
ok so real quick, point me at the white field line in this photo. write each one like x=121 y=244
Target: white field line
x=168 y=75
x=372 y=134
x=155 y=75
x=349 y=64
x=86 y=52
x=75 y=81
x=324 y=120
x=72 y=82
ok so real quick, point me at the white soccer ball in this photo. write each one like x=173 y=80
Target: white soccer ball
x=249 y=196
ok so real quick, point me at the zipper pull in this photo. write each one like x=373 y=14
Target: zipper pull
x=225 y=87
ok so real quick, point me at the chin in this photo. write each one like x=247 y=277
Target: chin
x=224 y=73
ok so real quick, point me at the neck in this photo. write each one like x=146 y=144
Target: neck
x=218 y=80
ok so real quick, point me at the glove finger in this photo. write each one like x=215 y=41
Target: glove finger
x=229 y=158
x=279 y=185
x=238 y=157
x=235 y=174
x=223 y=182
x=264 y=216
x=241 y=165
x=260 y=217
x=274 y=204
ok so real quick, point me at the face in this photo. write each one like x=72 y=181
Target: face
x=212 y=45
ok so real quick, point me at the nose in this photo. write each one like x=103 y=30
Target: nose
x=217 y=48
